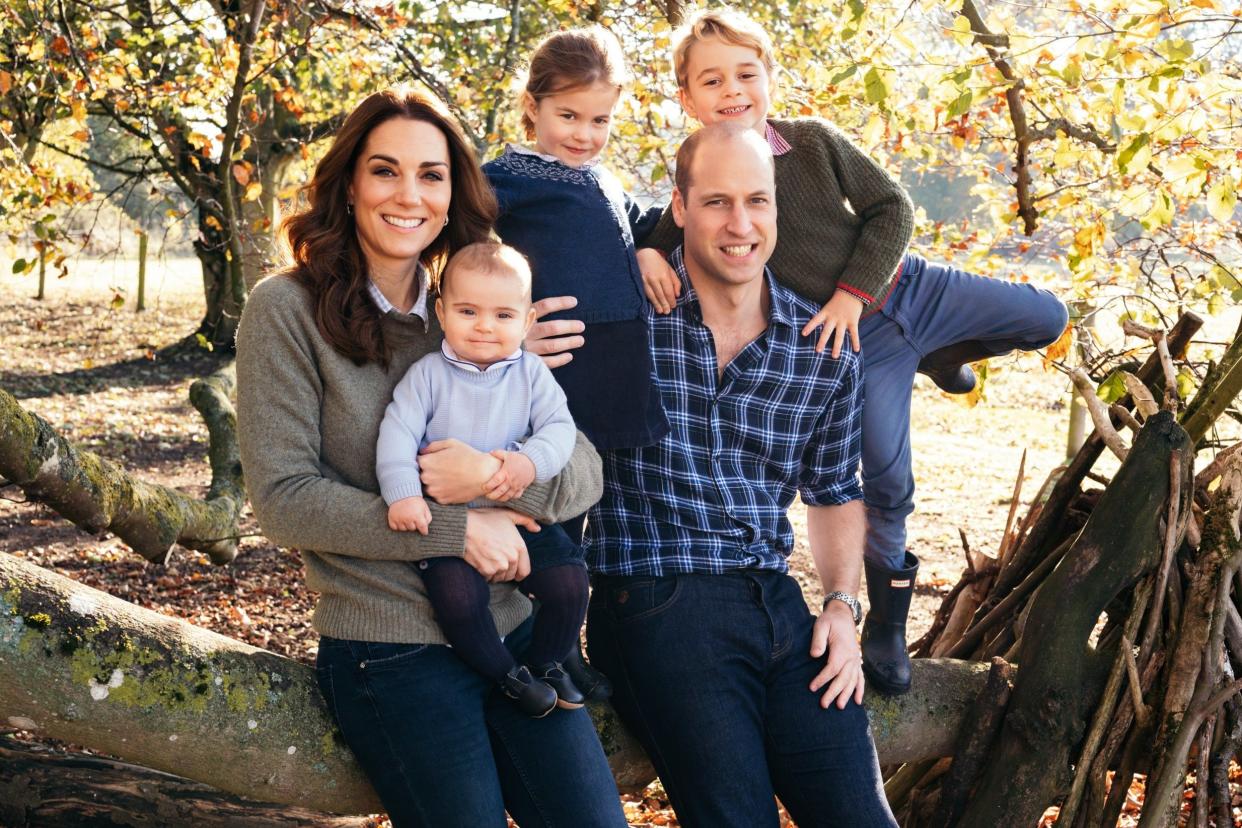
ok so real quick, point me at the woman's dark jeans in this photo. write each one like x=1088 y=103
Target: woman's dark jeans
x=712 y=673
x=444 y=748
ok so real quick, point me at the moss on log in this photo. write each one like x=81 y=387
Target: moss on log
x=101 y=496
x=79 y=665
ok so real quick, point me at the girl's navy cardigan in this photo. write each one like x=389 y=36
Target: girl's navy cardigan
x=578 y=229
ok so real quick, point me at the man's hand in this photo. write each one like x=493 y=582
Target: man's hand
x=659 y=279
x=839 y=317
x=453 y=472
x=552 y=341
x=409 y=514
x=517 y=471
x=494 y=547
x=834 y=632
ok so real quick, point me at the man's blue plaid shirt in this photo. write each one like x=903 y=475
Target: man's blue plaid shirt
x=712 y=495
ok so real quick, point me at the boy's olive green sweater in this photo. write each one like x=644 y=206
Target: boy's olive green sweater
x=308 y=419
x=841 y=219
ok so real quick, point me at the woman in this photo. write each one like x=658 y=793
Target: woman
x=319 y=350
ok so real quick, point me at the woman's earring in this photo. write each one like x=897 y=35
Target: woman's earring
x=446 y=221
x=349 y=208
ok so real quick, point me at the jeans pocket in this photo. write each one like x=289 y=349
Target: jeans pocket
x=381 y=656
x=643 y=598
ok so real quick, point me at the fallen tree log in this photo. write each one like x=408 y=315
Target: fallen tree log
x=99 y=495
x=79 y=665
x=52 y=789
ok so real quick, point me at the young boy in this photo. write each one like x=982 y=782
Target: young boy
x=483 y=389
x=843 y=226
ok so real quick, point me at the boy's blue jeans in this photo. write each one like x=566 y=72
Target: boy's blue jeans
x=444 y=748
x=932 y=306
x=712 y=673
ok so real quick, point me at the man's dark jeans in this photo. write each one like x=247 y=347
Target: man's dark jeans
x=444 y=748
x=712 y=674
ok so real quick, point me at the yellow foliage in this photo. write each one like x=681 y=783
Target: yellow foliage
x=1059 y=350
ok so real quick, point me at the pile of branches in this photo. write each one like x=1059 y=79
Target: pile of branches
x=1110 y=616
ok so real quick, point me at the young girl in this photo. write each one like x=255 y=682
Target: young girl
x=570 y=217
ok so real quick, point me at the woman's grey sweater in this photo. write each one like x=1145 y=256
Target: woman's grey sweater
x=308 y=419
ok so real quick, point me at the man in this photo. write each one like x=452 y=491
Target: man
x=736 y=691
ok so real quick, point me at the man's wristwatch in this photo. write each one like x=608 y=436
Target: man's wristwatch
x=847 y=599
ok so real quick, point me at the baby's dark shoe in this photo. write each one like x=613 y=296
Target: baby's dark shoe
x=568 y=696
x=533 y=697
x=593 y=684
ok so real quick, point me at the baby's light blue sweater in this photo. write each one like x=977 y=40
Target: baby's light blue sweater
x=514 y=404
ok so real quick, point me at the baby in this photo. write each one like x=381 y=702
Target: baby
x=483 y=389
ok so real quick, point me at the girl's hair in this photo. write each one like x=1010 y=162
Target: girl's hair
x=725 y=24
x=323 y=241
x=571 y=60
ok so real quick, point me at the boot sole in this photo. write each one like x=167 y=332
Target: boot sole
x=564 y=705
x=885 y=687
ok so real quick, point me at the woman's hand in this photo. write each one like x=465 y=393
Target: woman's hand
x=659 y=279
x=453 y=472
x=840 y=316
x=553 y=340
x=494 y=547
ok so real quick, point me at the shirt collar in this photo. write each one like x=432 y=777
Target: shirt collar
x=451 y=355
x=551 y=159
x=776 y=141
x=420 y=304
x=781 y=305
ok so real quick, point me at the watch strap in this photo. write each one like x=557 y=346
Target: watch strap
x=847 y=599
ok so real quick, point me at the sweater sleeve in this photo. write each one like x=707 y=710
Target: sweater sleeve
x=401 y=433
x=577 y=488
x=297 y=503
x=666 y=236
x=552 y=427
x=881 y=203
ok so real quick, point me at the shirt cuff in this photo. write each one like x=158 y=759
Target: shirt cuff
x=860 y=295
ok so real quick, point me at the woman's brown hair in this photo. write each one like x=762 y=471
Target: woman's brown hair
x=572 y=59
x=323 y=242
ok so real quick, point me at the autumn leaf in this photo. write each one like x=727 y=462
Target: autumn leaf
x=241 y=173
x=1057 y=351
x=253 y=190
x=1222 y=198
x=6 y=82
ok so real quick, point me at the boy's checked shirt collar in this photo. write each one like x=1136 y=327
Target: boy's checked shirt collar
x=775 y=140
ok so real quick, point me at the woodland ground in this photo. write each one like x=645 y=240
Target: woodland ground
x=90 y=368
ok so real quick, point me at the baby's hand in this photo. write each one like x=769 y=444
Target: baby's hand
x=517 y=471
x=839 y=316
x=409 y=514
x=659 y=279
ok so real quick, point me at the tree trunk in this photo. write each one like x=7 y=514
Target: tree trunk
x=99 y=495
x=79 y=665
x=224 y=299
x=46 y=789
x=1062 y=676
x=261 y=219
